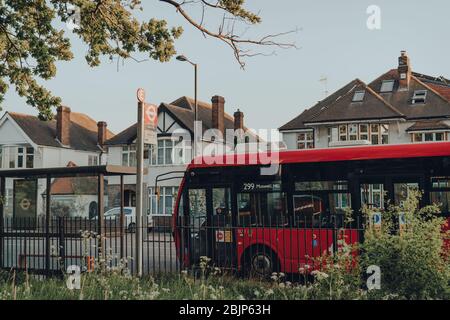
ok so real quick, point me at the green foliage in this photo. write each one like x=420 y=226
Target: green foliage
x=413 y=261
x=32 y=39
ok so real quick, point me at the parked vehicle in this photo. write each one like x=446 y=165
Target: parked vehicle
x=129 y=218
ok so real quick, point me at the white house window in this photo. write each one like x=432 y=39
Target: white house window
x=387 y=86
x=165 y=148
x=363 y=132
x=16 y=157
x=165 y=204
x=181 y=154
x=152 y=155
x=419 y=96
x=305 y=140
x=168 y=152
x=343 y=133
x=358 y=96
x=92 y=160
x=353 y=132
x=375 y=133
x=12 y=157
x=384 y=130
x=129 y=156
x=428 y=136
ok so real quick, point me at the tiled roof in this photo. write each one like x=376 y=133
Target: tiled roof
x=376 y=105
x=428 y=125
x=441 y=89
x=344 y=109
x=74 y=185
x=83 y=131
x=182 y=110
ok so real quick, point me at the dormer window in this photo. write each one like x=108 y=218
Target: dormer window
x=387 y=86
x=419 y=96
x=358 y=96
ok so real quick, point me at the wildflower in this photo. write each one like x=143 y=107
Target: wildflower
x=269 y=292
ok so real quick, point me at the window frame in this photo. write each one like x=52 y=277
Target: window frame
x=163 y=195
x=422 y=134
x=389 y=84
x=420 y=95
x=127 y=151
x=381 y=134
x=92 y=160
x=15 y=155
x=307 y=141
x=358 y=96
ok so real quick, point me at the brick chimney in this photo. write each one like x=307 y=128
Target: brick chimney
x=404 y=71
x=218 y=113
x=238 y=120
x=101 y=133
x=63 y=125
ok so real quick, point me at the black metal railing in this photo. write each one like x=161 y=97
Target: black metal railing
x=219 y=245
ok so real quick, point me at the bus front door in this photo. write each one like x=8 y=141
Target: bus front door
x=210 y=219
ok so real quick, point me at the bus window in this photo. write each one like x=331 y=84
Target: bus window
x=339 y=202
x=221 y=201
x=321 y=185
x=372 y=195
x=308 y=210
x=440 y=193
x=262 y=209
x=197 y=206
x=320 y=203
x=402 y=190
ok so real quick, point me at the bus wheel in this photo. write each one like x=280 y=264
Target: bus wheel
x=262 y=264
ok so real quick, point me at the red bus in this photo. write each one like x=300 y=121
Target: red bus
x=256 y=223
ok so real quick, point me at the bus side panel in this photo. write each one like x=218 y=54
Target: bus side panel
x=297 y=250
x=249 y=239
x=303 y=249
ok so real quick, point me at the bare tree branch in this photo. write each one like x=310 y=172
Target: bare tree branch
x=234 y=41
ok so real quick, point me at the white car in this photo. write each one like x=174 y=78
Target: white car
x=130 y=218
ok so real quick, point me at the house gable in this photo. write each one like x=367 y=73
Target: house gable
x=11 y=133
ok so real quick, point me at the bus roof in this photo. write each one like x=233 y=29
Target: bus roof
x=400 y=151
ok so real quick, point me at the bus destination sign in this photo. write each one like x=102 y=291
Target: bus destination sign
x=260 y=186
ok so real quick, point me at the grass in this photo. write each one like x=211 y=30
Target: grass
x=115 y=286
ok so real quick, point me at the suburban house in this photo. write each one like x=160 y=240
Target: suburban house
x=28 y=142
x=173 y=151
x=400 y=106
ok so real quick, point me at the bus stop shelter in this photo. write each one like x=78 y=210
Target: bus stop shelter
x=49 y=175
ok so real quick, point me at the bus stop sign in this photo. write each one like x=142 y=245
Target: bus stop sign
x=150 y=123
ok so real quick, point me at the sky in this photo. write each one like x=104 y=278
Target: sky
x=333 y=42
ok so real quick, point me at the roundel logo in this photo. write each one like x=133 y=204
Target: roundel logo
x=150 y=114
x=25 y=204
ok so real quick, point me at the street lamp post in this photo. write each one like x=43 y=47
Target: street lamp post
x=184 y=59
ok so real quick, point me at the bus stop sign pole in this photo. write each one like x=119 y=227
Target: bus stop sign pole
x=139 y=180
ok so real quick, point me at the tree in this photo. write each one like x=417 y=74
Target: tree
x=32 y=39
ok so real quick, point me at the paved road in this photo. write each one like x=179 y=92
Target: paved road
x=159 y=253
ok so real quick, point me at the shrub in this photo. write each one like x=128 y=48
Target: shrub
x=412 y=260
